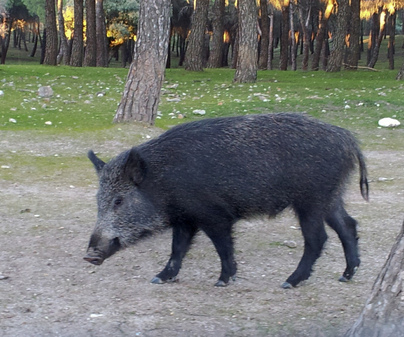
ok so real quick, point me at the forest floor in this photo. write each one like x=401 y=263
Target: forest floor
x=46 y=288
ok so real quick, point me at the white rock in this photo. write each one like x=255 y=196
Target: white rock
x=12 y=120
x=290 y=244
x=175 y=100
x=389 y=122
x=1 y=93
x=48 y=123
x=45 y=91
x=385 y=179
x=199 y=112
x=96 y=315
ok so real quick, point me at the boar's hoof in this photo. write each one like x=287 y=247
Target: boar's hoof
x=221 y=283
x=94 y=260
x=286 y=285
x=158 y=280
x=347 y=276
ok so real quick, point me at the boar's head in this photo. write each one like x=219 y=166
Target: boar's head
x=125 y=213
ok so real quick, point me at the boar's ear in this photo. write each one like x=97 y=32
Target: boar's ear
x=135 y=167
x=97 y=162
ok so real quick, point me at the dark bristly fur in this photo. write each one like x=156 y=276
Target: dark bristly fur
x=206 y=175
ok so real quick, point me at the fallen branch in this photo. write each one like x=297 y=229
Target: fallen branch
x=358 y=67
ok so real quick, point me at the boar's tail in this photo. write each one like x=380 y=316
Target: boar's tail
x=363 y=182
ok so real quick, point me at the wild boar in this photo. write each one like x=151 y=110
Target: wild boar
x=208 y=174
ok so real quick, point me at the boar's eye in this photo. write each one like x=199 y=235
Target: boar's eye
x=118 y=201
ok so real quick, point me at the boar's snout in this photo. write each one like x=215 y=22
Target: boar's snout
x=96 y=260
x=101 y=248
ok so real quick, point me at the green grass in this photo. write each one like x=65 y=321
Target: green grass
x=85 y=99
x=75 y=104
x=363 y=96
x=352 y=99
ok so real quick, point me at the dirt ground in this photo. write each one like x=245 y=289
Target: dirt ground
x=47 y=289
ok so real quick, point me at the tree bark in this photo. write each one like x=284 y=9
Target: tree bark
x=337 y=54
x=141 y=96
x=263 y=58
x=90 y=55
x=5 y=42
x=194 y=56
x=382 y=315
x=392 y=42
x=36 y=36
x=374 y=32
x=353 y=50
x=320 y=37
x=400 y=75
x=101 y=35
x=304 y=23
x=376 y=49
x=293 y=44
x=216 y=50
x=271 y=41
x=77 y=48
x=247 y=64
x=283 y=62
x=51 y=46
x=63 y=49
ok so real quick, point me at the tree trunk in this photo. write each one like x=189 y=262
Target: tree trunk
x=320 y=37
x=141 y=96
x=374 y=32
x=293 y=45
x=353 y=50
x=36 y=36
x=51 y=46
x=392 y=42
x=400 y=75
x=283 y=62
x=304 y=23
x=376 y=49
x=271 y=41
x=5 y=42
x=194 y=56
x=77 y=48
x=90 y=55
x=247 y=64
x=216 y=50
x=101 y=35
x=337 y=54
x=64 y=48
x=382 y=315
x=263 y=58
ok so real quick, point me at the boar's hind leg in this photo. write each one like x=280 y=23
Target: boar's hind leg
x=312 y=225
x=345 y=226
x=182 y=239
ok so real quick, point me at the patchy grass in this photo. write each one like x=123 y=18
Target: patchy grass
x=85 y=99
x=343 y=98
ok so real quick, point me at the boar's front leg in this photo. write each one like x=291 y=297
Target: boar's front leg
x=182 y=239
x=224 y=247
x=219 y=231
